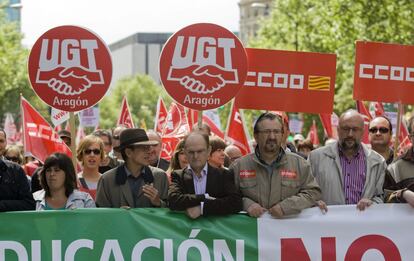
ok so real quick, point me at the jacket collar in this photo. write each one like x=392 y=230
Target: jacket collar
x=121 y=175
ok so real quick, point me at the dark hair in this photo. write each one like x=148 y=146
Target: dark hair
x=305 y=144
x=410 y=125
x=386 y=118
x=103 y=133
x=175 y=162
x=267 y=116
x=64 y=163
x=5 y=135
x=198 y=132
x=216 y=144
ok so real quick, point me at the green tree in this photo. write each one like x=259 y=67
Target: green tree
x=13 y=70
x=142 y=94
x=333 y=26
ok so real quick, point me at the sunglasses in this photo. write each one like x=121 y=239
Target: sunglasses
x=94 y=151
x=14 y=159
x=382 y=130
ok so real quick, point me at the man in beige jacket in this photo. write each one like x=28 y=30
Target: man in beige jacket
x=271 y=179
x=347 y=171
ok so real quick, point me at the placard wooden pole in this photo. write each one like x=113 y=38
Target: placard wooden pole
x=72 y=125
x=397 y=134
x=200 y=119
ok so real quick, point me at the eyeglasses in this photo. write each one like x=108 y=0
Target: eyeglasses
x=382 y=130
x=94 y=151
x=192 y=153
x=14 y=159
x=347 y=129
x=268 y=131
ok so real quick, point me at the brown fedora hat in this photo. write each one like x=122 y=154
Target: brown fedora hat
x=130 y=137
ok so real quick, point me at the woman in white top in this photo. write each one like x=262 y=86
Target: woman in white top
x=90 y=153
x=59 y=192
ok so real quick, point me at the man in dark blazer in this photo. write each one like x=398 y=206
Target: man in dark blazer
x=201 y=189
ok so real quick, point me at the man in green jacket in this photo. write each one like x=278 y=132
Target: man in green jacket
x=271 y=179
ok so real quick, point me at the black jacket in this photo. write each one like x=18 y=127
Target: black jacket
x=15 y=191
x=220 y=185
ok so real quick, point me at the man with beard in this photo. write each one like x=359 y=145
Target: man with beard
x=347 y=171
x=271 y=179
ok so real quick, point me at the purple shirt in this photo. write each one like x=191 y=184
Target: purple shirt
x=199 y=183
x=353 y=171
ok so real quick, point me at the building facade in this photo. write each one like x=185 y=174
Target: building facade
x=251 y=11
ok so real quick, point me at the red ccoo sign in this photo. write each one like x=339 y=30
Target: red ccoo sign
x=203 y=66
x=70 y=68
x=384 y=72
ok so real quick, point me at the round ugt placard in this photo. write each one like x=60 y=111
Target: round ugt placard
x=203 y=66
x=70 y=68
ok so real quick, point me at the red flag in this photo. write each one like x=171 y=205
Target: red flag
x=39 y=137
x=367 y=118
x=175 y=128
x=125 y=117
x=160 y=116
x=313 y=134
x=377 y=109
x=330 y=124
x=236 y=132
x=192 y=117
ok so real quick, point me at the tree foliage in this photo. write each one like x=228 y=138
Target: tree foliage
x=142 y=94
x=13 y=70
x=333 y=26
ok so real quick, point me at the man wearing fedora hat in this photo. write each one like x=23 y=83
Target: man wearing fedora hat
x=133 y=184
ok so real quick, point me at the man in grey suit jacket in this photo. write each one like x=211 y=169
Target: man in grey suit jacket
x=347 y=171
x=133 y=184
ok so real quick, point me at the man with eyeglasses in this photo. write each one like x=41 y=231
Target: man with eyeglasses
x=380 y=133
x=133 y=184
x=201 y=189
x=155 y=151
x=400 y=175
x=347 y=171
x=271 y=179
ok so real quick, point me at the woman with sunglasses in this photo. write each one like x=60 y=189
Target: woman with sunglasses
x=90 y=153
x=178 y=159
x=13 y=153
x=58 y=180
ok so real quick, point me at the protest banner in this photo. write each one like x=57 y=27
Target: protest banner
x=343 y=233
x=288 y=81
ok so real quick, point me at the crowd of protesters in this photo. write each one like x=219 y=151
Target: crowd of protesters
x=122 y=168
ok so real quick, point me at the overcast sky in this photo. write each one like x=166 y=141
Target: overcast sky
x=113 y=20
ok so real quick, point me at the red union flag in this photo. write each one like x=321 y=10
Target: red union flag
x=70 y=68
x=236 y=131
x=330 y=124
x=276 y=78
x=313 y=134
x=39 y=137
x=202 y=66
x=175 y=128
x=125 y=117
x=160 y=116
x=384 y=72
x=367 y=119
x=192 y=118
